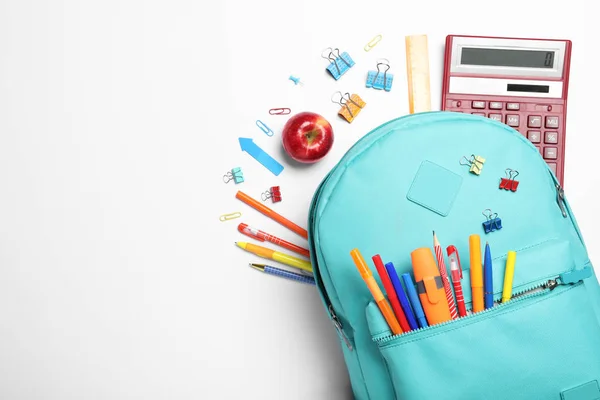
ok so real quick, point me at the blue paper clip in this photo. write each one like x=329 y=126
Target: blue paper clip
x=235 y=175
x=493 y=223
x=339 y=64
x=263 y=127
x=380 y=79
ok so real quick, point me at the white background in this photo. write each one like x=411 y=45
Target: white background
x=118 y=120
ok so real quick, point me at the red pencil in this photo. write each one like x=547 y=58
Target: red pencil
x=393 y=297
x=262 y=236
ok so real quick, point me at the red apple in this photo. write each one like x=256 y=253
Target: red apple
x=307 y=137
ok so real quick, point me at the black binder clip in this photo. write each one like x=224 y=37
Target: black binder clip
x=492 y=223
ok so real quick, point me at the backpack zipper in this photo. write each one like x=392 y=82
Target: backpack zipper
x=339 y=328
x=560 y=199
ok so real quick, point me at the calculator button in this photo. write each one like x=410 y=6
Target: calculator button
x=534 y=136
x=480 y=114
x=552 y=167
x=534 y=121
x=495 y=105
x=512 y=120
x=551 y=137
x=552 y=122
x=513 y=106
x=496 y=117
x=551 y=153
x=478 y=104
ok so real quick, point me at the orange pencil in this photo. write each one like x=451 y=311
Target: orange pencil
x=271 y=214
x=476 y=273
x=384 y=306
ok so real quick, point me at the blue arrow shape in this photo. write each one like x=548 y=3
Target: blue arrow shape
x=259 y=155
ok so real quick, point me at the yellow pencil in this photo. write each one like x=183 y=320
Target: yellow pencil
x=508 y=276
x=283 y=258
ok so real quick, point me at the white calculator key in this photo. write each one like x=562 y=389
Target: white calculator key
x=496 y=117
x=512 y=120
x=551 y=137
x=552 y=122
x=478 y=104
x=534 y=136
x=551 y=153
x=496 y=105
x=513 y=106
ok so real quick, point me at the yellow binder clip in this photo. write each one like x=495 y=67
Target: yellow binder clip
x=475 y=163
x=351 y=105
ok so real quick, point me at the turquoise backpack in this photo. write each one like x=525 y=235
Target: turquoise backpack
x=387 y=194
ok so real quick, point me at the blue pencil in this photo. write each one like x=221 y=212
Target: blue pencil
x=414 y=300
x=410 y=316
x=488 y=278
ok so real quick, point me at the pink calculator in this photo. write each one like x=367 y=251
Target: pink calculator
x=520 y=82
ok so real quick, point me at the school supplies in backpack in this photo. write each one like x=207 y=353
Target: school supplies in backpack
x=391 y=189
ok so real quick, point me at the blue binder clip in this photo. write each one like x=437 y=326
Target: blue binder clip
x=493 y=223
x=339 y=63
x=234 y=175
x=380 y=79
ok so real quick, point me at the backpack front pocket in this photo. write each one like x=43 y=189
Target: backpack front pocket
x=539 y=346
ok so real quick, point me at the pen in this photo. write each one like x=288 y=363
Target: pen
x=382 y=303
x=439 y=255
x=391 y=292
x=271 y=254
x=508 y=276
x=488 y=277
x=457 y=274
x=262 y=236
x=284 y=274
x=404 y=302
x=414 y=300
x=476 y=273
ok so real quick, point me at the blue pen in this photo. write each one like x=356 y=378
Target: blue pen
x=410 y=317
x=414 y=299
x=488 y=278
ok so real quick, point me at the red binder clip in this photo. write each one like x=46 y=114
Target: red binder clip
x=273 y=193
x=509 y=183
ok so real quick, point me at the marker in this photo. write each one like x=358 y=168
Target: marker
x=391 y=292
x=476 y=273
x=489 y=278
x=414 y=300
x=508 y=276
x=430 y=286
x=404 y=302
x=382 y=303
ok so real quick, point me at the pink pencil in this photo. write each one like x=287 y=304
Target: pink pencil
x=439 y=255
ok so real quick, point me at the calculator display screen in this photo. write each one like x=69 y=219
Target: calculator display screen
x=507 y=57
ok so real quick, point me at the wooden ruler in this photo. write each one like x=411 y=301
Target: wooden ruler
x=417 y=68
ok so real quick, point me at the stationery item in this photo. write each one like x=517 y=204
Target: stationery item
x=339 y=64
x=457 y=274
x=227 y=217
x=351 y=105
x=280 y=111
x=380 y=79
x=475 y=163
x=404 y=302
x=476 y=273
x=430 y=286
x=414 y=301
x=417 y=68
x=521 y=82
x=236 y=175
x=296 y=80
x=391 y=293
x=373 y=42
x=439 y=255
x=271 y=214
x=263 y=127
x=263 y=236
x=274 y=193
x=509 y=182
x=382 y=303
x=259 y=155
x=509 y=274
x=284 y=274
x=492 y=222
x=271 y=254
x=488 y=276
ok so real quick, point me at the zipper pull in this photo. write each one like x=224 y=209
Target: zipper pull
x=551 y=284
x=560 y=199
x=575 y=276
x=338 y=326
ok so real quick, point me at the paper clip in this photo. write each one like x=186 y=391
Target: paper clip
x=235 y=175
x=279 y=111
x=273 y=193
x=509 y=183
x=492 y=223
x=339 y=64
x=264 y=128
x=227 y=217
x=376 y=81
x=475 y=162
x=373 y=42
x=351 y=105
